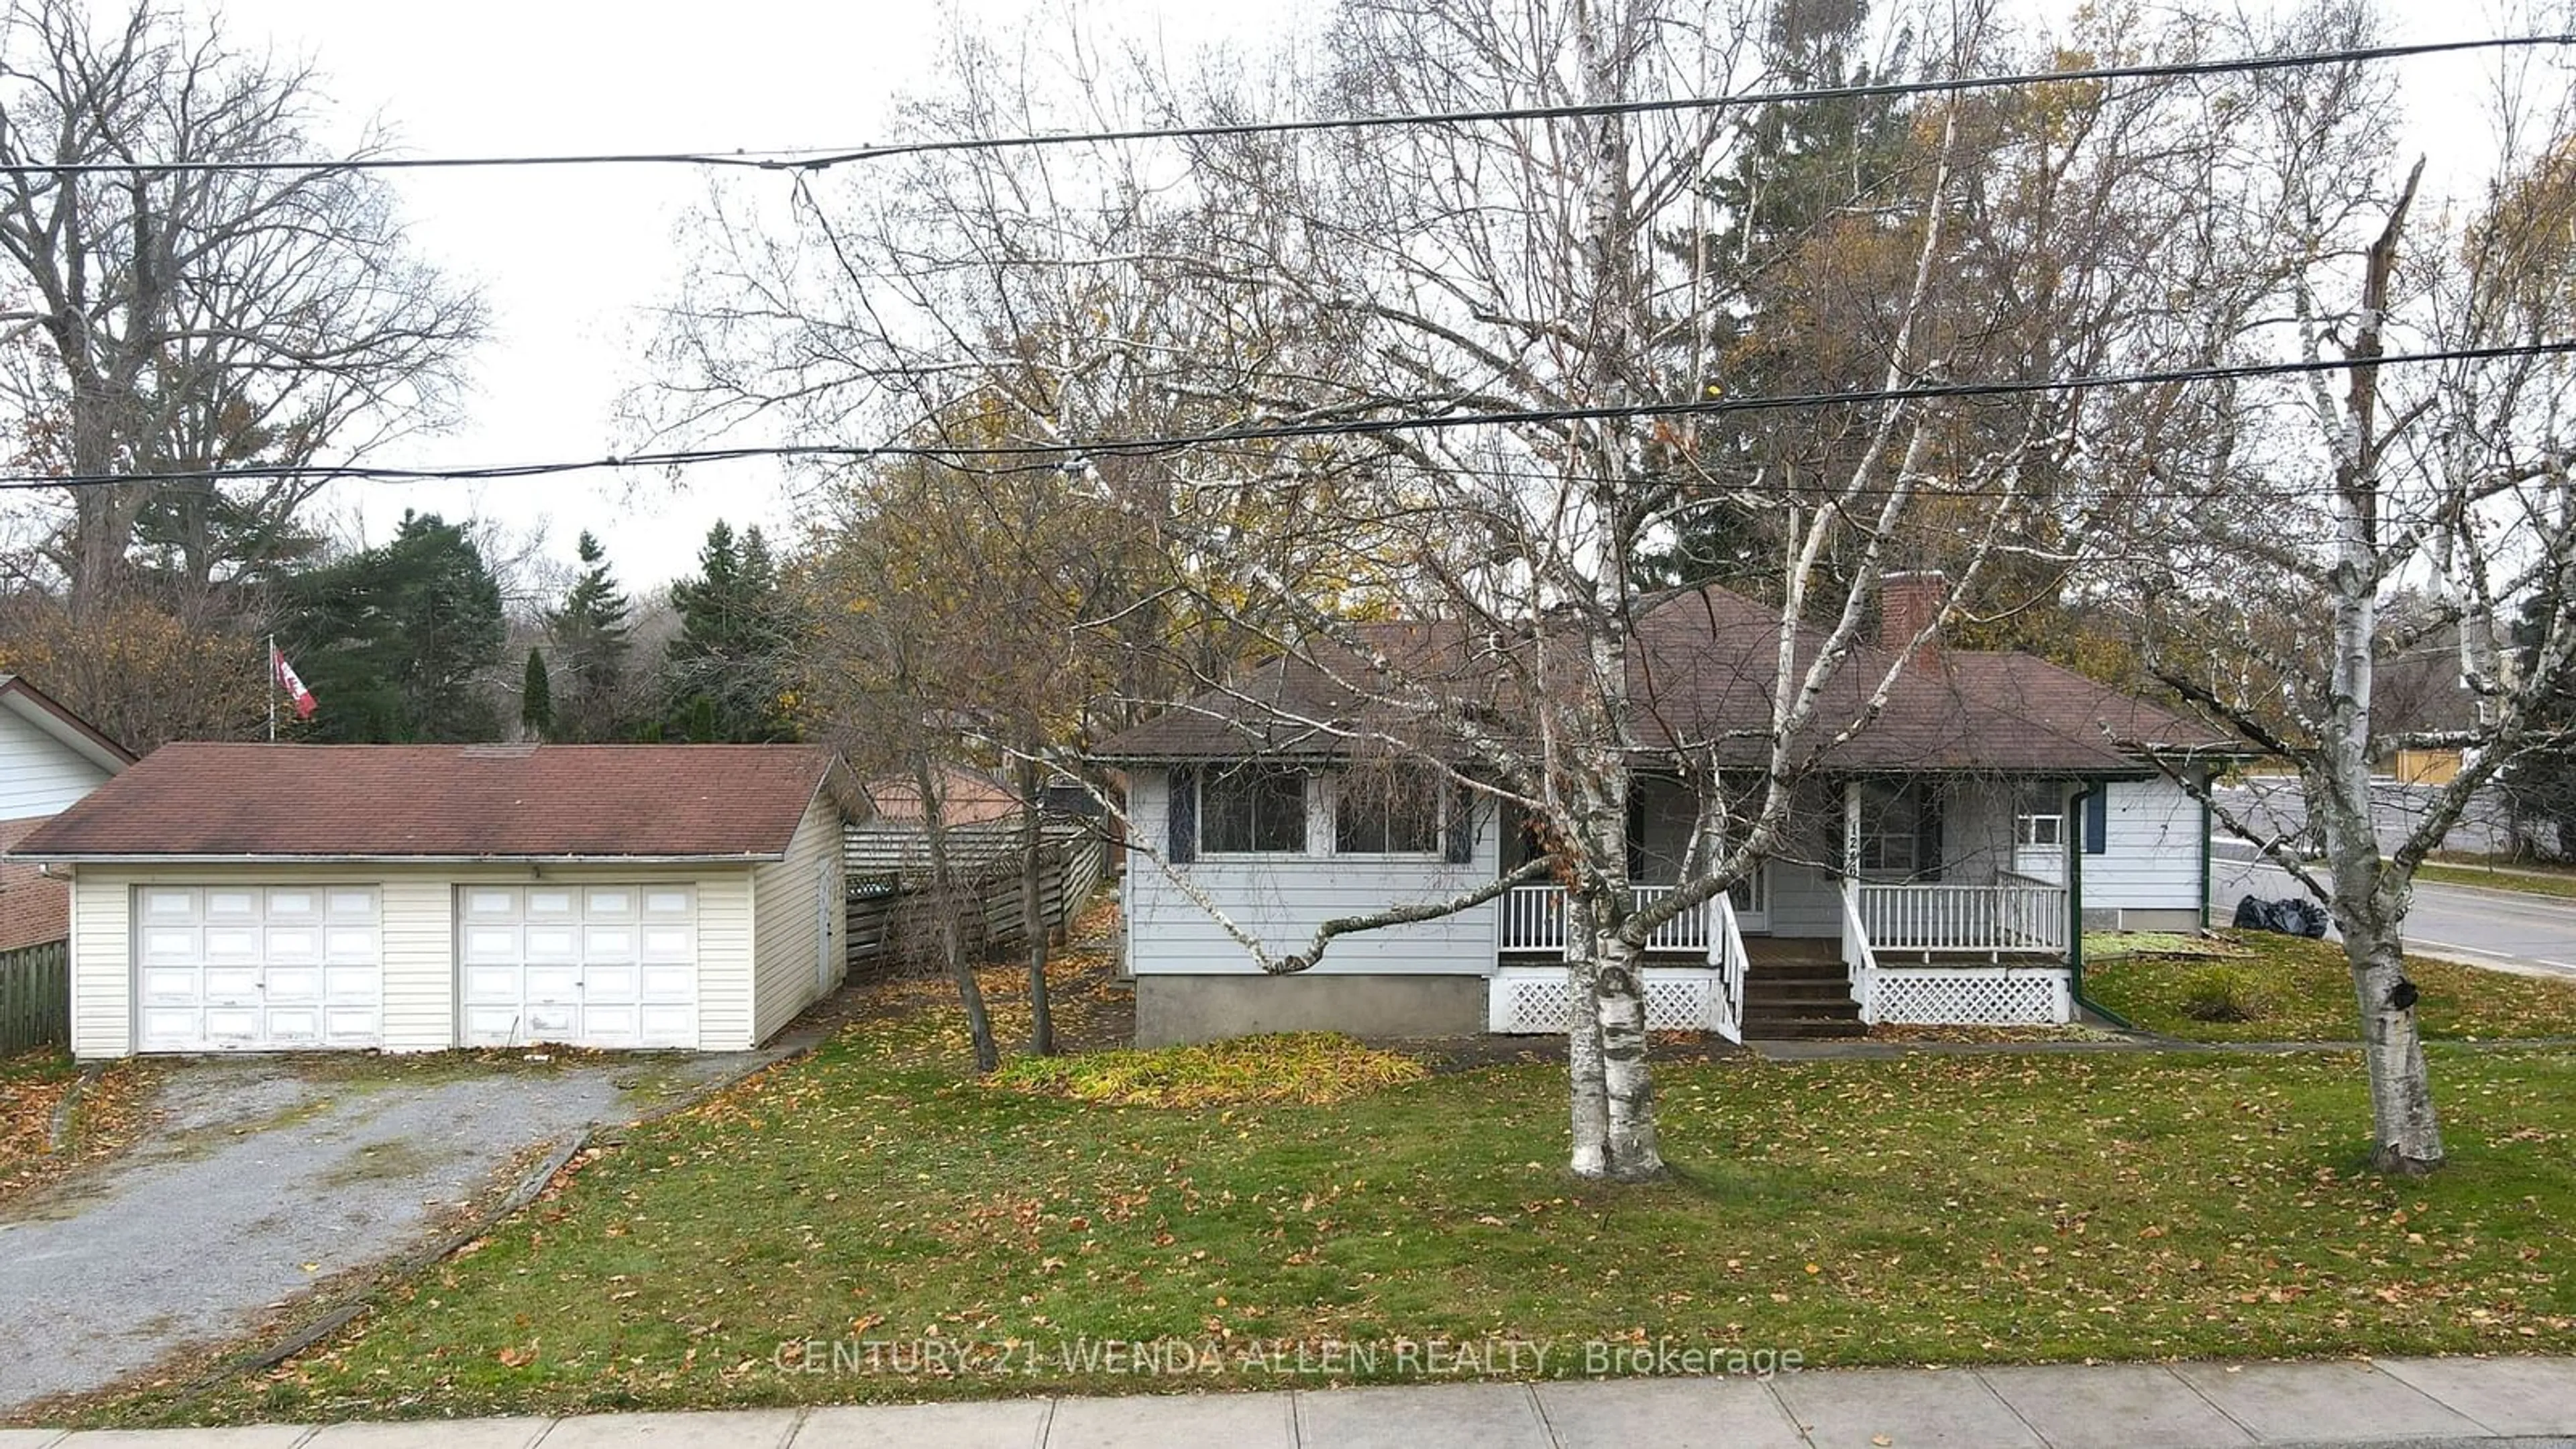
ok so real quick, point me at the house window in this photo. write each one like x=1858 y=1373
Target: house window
x=1253 y=810
x=2039 y=818
x=1386 y=812
x=1900 y=831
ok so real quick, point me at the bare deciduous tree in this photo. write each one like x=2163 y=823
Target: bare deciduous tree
x=2265 y=562
x=177 y=320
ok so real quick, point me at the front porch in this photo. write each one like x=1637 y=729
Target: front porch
x=1947 y=911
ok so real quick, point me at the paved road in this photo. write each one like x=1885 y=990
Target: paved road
x=263 y=1176
x=2509 y=929
x=2427 y=1402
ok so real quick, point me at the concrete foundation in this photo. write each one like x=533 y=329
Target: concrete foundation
x=1177 y=1010
x=2185 y=920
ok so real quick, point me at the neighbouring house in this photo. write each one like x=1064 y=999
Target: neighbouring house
x=247 y=897
x=966 y=797
x=49 y=758
x=1940 y=866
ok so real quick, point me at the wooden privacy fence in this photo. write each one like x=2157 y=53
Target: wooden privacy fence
x=897 y=918
x=35 y=996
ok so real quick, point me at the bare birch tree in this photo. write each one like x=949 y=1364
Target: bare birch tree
x=1434 y=358
x=2320 y=499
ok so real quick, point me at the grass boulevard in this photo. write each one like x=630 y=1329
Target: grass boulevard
x=869 y=1223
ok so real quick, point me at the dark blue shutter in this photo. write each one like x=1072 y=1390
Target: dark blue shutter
x=1460 y=846
x=2097 y=820
x=1183 y=815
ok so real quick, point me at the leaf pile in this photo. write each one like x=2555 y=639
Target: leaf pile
x=1312 y=1068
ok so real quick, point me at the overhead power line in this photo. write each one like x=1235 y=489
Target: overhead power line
x=1049 y=454
x=811 y=159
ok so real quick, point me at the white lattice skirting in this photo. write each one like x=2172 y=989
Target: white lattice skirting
x=1975 y=997
x=1531 y=1002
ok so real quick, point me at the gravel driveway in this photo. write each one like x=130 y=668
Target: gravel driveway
x=265 y=1175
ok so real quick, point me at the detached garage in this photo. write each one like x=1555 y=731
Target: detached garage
x=415 y=898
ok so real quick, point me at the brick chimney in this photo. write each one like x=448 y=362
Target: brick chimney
x=1908 y=603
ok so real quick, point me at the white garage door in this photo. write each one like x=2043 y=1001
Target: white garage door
x=257 y=967
x=594 y=966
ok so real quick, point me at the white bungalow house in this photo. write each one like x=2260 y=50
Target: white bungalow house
x=248 y=897
x=1939 y=870
x=49 y=758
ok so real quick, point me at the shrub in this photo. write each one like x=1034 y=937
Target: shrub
x=1313 y=1068
x=2225 y=993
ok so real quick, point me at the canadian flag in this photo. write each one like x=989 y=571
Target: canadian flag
x=286 y=680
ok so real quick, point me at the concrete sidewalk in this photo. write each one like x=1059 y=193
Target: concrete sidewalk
x=2115 y=1406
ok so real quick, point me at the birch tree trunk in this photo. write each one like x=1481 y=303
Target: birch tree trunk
x=2406 y=1136
x=1587 y=1082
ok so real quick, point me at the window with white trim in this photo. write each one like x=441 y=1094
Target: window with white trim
x=2039 y=816
x=1899 y=830
x=1253 y=810
x=1386 y=812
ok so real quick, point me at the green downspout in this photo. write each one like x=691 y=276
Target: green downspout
x=2205 y=785
x=2075 y=910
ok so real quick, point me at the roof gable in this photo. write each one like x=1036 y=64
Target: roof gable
x=49 y=716
x=451 y=802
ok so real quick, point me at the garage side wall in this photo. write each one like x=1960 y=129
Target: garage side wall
x=786 y=918
x=102 y=965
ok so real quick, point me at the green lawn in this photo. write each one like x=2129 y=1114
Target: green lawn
x=1929 y=1209
x=2302 y=991
x=2537 y=881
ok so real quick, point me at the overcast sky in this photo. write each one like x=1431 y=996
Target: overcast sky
x=571 y=259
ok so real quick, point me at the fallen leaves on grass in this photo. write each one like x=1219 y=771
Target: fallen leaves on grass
x=1311 y=1068
x=2304 y=989
x=33 y=1087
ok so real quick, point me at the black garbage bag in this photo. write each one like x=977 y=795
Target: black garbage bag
x=2291 y=917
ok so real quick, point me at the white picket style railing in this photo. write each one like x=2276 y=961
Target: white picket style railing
x=1731 y=962
x=1533 y=922
x=1992 y=919
x=1859 y=959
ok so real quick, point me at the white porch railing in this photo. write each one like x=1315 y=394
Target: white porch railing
x=1731 y=962
x=1859 y=959
x=1703 y=995
x=2012 y=916
x=1533 y=922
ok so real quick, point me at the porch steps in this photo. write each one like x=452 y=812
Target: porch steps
x=1796 y=995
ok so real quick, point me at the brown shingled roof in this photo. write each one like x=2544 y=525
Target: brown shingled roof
x=1702 y=669
x=471 y=802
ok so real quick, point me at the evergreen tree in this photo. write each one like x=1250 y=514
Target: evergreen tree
x=390 y=639
x=1814 y=178
x=536 y=699
x=590 y=638
x=727 y=675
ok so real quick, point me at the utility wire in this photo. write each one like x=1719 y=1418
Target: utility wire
x=812 y=159
x=1059 y=454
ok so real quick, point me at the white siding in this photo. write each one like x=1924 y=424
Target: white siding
x=725 y=977
x=2151 y=859
x=40 y=775
x=785 y=917
x=1283 y=899
x=419 y=934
